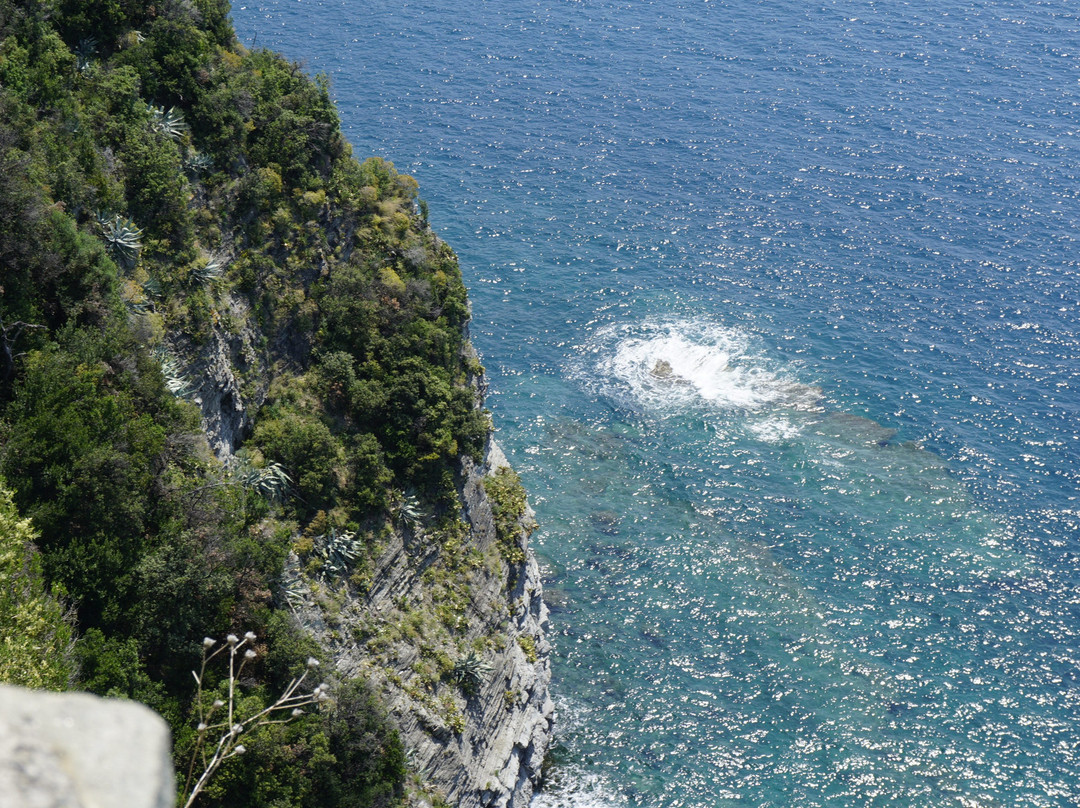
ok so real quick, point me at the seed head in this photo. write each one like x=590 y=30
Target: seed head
x=249 y=654
x=232 y=639
x=208 y=642
x=219 y=703
x=237 y=729
x=312 y=662
x=297 y=712
x=250 y=636
x=201 y=727
x=239 y=750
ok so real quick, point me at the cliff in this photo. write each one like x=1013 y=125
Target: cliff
x=483 y=746
x=427 y=600
x=237 y=394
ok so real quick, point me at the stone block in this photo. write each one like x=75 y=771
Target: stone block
x=74 y=750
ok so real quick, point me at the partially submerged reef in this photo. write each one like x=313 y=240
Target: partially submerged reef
x=237 y=394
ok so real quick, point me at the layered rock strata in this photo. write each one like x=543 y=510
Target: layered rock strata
x=479 y=748
x=476 y=747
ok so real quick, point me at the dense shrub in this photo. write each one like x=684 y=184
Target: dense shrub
x=35 y=636
x=84 y=456
x=308 y=450
x=348 y=310
x=510 y=509
x=157 y=191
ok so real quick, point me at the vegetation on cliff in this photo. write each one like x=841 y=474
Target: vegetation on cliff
x=164 y=190
x=35 y=636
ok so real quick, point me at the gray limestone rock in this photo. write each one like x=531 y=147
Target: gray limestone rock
x=74 y=750
x=482 y=750
x=493 y=757
x=216 y=366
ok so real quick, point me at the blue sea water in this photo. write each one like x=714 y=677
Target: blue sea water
x=780 y=303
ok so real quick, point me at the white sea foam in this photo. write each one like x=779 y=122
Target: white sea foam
x=578 y=790
x=775 y=429
x=571 y=785
x=676 y=365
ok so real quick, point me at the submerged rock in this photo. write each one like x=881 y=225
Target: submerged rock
x=662 y=369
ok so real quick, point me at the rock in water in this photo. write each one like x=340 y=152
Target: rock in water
x=662 y=369
x=74 y=750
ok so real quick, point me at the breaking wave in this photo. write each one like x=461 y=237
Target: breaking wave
x=676 y=366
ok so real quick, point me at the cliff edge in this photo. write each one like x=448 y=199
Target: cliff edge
x=448 y=623
x=477 y=741
x=237 y=396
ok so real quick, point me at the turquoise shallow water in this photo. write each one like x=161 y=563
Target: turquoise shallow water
x=781 y=308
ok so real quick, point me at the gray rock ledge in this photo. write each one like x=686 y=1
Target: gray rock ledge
x=74 y=750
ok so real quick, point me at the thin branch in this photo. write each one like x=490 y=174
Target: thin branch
x=9 y=334
x=227 y=745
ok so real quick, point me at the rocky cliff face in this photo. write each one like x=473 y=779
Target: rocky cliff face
x=429 y=603
x=229 y=377
x=476 y=747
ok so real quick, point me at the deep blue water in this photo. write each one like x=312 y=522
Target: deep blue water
x=781 y=308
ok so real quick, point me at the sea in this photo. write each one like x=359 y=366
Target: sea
x=780 y=307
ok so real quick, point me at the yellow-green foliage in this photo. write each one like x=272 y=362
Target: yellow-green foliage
x=528 y=645
x=392 y=282
x=507 y=497
x=455 y=720
x=35 y=639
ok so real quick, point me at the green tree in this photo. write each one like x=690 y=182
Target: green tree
x=35 y=636
x=314 y=458
x=85 y=455
x=370 y=759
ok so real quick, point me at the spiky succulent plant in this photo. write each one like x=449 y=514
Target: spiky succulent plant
x=337 y=551
x=151 y=288
x=168 y=122
x=470 y=671
x=123 y=239
x=198 y=162
x=272 y=481
x=175 y=382
x=85 y=51
x=212 y=270
x=295 y=594
x=409 y=510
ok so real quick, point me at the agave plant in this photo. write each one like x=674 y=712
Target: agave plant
x=337 y=551
x=175 y=382
x=470 y=671
x=409 y=510
x=123 y=239
x=85 y=51
x=212 y=270
x=198 y=162
x=272 y=481
x=151 y=288
x=294 y=593
x=169 y=122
